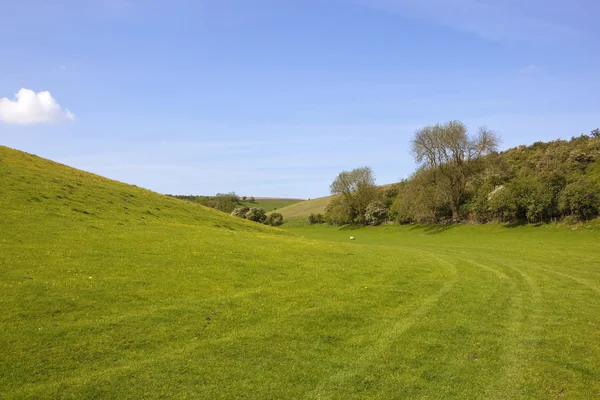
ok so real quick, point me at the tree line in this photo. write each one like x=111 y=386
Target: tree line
x=225 y=202
x=232 y=204
x=463 y=177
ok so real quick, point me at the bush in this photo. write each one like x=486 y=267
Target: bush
x=376 y=213
x=256 y=215
x=580 y=198
x=274 y=219
x=523 y=198
x=315 y=219
x=240 y=212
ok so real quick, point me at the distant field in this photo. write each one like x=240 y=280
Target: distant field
x=270 y=204
x=112 y=291
x=303 y=209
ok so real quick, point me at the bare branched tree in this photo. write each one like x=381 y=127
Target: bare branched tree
x=451 y=153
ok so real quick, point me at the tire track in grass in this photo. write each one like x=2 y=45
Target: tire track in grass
x=578 y=280
x=388 y=336
x=512 y=356
x=517 y=351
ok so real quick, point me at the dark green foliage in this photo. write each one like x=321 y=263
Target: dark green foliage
x=274 y=219
x=240 y=212
x=256 y=214
x=580 y=198
x=315 y=219
x=337 y=212
x=541 y=182
x=222 y=202
x=524 y=198
x=419 y=201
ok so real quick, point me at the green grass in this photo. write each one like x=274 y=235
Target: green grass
x=303 y=209
x=111 y=291
x=270 y=204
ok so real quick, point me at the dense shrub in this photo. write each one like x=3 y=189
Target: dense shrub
x=240 y=212
x=274 y=219
x=315 y=219
x=418 y=201
x=541 y=182
x=337 y=212
x=256 y=214
x=225 y=202
x=376 y=213
x=580 y=198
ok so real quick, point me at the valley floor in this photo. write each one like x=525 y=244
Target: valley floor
x=401 y=312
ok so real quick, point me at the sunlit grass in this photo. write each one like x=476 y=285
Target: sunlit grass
x=111 y=291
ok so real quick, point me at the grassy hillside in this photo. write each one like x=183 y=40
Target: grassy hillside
x=270 y=204
x=111 y=291
x=303 y=209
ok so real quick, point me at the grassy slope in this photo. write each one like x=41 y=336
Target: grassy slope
x=107 y=290
x=303 y=209
x=270 y=204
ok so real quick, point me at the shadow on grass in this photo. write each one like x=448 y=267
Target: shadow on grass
x=433 y=229
x=517 y=224
x=351 y=227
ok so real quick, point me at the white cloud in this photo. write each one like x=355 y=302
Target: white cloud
x=29 y=107
x=530 y=69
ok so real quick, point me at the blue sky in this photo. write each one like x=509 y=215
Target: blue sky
x=275 y=98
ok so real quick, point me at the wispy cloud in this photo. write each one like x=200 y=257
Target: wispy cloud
x=495 y=20
x=29 y=107
x=530 y=69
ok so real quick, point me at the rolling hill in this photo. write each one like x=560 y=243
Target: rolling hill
x=303 y=209
x=112 y=291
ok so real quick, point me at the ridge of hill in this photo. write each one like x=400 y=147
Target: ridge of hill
x=37 y=189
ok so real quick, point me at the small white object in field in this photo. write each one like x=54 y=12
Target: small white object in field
x=351 y=237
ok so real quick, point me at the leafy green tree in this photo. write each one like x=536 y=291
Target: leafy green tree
x=355 y=190
x=420 y=200
x=337 y=212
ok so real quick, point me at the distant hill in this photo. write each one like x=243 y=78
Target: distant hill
x=303 y=209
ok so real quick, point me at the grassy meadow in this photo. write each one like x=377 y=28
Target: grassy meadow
x=112 y=291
